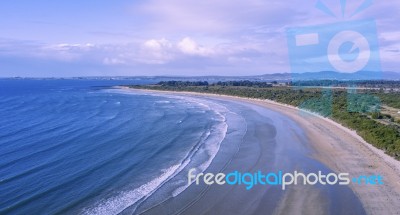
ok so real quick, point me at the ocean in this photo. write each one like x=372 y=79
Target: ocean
x=83 y=147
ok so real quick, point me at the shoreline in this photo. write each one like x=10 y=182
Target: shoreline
x=339 y=148
x=392 y=162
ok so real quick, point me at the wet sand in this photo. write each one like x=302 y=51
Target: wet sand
x=342 y=150
x=296 y=140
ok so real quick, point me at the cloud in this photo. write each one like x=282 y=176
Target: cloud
x=190 y=47
x=64 y=51
x=214 y=18
x=162 y=51
x=183 y=56
x=225 y=37
x=155 y=51
x=68 y=47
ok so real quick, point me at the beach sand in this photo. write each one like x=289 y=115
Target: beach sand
x=342 y=150
x=336 y=147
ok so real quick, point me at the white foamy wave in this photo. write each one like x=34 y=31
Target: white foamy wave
x=213 y=138
x=211 y=147
x=162 y=102
x=123 y=200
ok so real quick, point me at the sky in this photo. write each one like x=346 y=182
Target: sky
x=53 y=38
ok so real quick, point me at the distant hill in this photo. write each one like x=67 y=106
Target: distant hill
x=280 y=77
x=324 y=75
x=285 y=77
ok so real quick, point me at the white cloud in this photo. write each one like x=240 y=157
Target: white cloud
x=216 y=16
x=155 y=51
x=64 y=51
x=161 y=51
x=67 y=47
x=190 y=47
x=242 y=36
x=157 y=44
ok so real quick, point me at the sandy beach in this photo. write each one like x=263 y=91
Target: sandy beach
x=342 y=150
x=336 y=148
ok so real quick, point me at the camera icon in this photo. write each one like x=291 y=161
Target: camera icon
x=345 y=47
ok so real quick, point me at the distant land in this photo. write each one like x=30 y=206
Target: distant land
x=280 y=77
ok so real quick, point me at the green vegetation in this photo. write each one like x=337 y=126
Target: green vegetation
x=377 y=84
x=391 y=99
x=356 y=110
x=182 y=83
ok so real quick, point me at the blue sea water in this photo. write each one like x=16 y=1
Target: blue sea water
x=81 y=147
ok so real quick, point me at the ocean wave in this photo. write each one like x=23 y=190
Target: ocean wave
x=123 y=200
x=162 y=102
x=199 y=157
x=120 y=202
x=211 y=146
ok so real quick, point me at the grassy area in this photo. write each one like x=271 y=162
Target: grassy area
x=393 y=112
x=391 y=99
x=358 y=111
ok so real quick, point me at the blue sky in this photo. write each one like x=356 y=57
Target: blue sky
x=45 y=38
